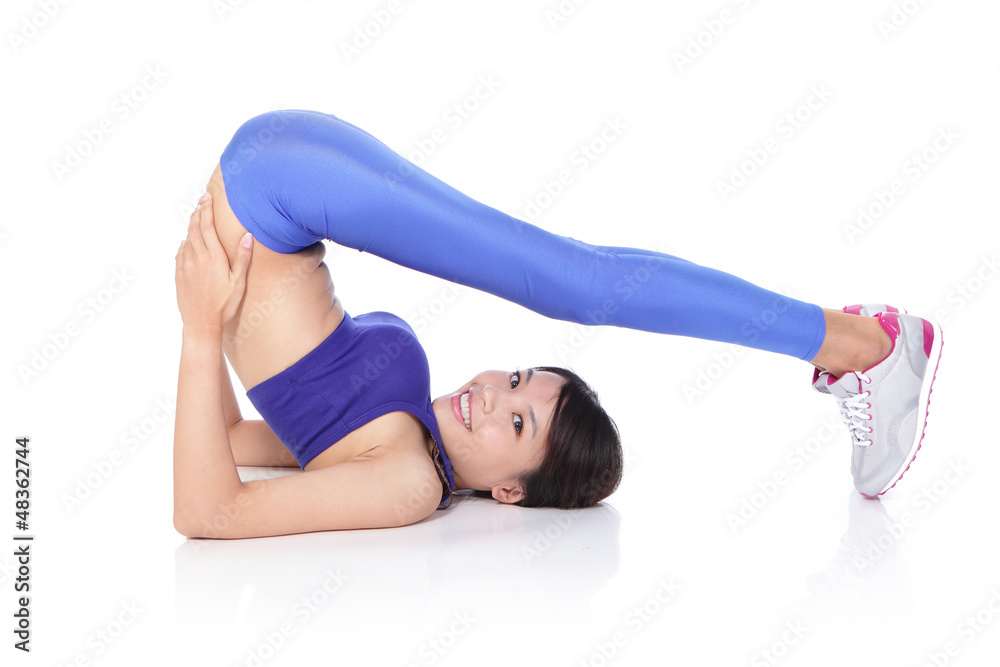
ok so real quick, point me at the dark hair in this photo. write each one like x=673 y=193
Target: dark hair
x=583 y=457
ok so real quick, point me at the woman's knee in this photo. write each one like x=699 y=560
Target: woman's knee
x=227 y=225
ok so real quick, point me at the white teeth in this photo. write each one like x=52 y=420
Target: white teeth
x=464 y=402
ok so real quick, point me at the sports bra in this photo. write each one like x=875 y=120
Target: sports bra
x=370 y=366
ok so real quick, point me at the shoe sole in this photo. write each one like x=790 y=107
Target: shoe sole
x=925 y=401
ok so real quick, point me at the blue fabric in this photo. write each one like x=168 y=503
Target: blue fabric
x=295 y=177
x=370 y=366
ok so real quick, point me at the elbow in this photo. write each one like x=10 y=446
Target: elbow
x=418 y=505
x=412 y=515
x=189 y=525
x=221 y=521
x=183 y=525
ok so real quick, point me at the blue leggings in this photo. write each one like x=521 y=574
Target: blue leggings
x=296 y=177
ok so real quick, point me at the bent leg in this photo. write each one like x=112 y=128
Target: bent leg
x=296 y=177
x=289 y=305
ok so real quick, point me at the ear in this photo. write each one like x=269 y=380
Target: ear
x=510 y=493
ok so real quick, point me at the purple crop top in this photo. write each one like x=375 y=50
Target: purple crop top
x=370 y=366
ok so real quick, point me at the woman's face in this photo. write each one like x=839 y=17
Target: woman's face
x=506 y=430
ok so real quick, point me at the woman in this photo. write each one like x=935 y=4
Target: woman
x=347 y=398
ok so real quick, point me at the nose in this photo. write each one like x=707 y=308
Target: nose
x=491 y=396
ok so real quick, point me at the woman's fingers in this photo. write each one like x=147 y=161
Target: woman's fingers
x=195 y=237
x=238 y=275
x=209 y=235
x=243 y=257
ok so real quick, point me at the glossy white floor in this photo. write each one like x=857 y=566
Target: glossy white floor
x=736 y=536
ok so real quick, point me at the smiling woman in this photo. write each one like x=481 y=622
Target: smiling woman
x=375 y=449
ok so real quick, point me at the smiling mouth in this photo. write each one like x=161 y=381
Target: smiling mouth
x=466 y=410
x=460 y=408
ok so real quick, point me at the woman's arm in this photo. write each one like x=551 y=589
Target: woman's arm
x=252 y=441
x=255 y=444
x=205 y=475
x=229 y=404
x=392 y=484
x=209 y=292
x=388 y=486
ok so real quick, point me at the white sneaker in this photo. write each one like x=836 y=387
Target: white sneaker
x=885 y=406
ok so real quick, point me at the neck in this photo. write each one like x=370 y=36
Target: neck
x=459 y=484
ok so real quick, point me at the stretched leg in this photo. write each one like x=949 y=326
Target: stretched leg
x=295 y=177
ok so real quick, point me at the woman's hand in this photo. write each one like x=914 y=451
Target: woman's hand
x=208 y=291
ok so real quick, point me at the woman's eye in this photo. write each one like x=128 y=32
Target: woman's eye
x=518 y=424
x=515 y=379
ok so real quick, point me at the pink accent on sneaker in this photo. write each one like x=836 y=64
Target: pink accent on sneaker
x=853 y=310
x=890 y=322
x=892 y=309
x=928 y=337
x=930 y=391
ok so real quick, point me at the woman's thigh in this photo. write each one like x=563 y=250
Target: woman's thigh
x=289 y=307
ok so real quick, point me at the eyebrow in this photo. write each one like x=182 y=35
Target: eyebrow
x=531 y=410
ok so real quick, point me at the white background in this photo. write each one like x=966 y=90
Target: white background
x=896 y=581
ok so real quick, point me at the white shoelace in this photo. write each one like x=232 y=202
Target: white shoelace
x=855 y=415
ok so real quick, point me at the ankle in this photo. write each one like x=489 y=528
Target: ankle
x=877 y=346
x=870 y=348
x=852 y=343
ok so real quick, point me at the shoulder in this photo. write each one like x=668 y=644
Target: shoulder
x=407 y=447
